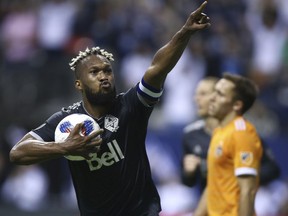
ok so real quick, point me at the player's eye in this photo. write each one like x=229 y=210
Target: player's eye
x=94 y=71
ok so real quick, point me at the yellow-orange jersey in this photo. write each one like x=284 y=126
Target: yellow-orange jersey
x=234 y=150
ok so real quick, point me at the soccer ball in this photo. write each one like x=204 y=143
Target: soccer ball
x=66 y=125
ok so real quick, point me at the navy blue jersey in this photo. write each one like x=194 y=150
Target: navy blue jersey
x=196 y=141
x=117 y=180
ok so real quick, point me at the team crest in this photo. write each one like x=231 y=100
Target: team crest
x=219 y=149
x=111 y=123
x=246 y=157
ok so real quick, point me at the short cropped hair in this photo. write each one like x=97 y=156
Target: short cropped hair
x=245 y=90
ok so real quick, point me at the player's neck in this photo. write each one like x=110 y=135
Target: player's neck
x=96 y=111
x=228 y=118
x=210 y=124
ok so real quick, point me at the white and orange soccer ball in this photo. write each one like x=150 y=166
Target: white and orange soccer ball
x=67 y=124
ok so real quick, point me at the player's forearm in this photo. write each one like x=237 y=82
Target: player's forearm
x=166 y=57
x=33 y=151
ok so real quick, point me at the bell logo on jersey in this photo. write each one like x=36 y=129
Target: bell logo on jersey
x=111 y=123
x=246 y=157
x=114 y=155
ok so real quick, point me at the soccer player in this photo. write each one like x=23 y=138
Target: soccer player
x=196 y=139
x=234 y=153
x=196 y=136
x=115 y=180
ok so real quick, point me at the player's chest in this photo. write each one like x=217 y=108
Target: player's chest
x=220 y=150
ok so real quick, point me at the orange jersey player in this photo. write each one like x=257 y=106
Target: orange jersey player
x=235 y=150
x=234 y=153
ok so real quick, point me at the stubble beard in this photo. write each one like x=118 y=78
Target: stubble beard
x=100 y=99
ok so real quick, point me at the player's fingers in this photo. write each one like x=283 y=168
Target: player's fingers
x=93 y=148
x=97 y=148
x=94 y=143
x=203 y=25
x=87 y=156
x=201 y=8
x=204 y=19
x=77 y=128
x=94 y=134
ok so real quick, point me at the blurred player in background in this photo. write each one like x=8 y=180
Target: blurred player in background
x=196 y=139
x=234 y=153
x=115 y=179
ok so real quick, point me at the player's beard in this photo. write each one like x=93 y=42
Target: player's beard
x=99 y=99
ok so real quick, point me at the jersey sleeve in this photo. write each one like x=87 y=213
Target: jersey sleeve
x=247 y=151
x=147 y=94
x=46 y=131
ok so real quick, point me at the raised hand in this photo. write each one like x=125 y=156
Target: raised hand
x=197 y=19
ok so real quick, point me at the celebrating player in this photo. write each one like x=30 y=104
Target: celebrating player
x=115 y=179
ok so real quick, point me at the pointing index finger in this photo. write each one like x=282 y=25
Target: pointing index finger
x=201 y=8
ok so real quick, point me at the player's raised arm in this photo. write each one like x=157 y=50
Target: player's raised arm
x=166 y=57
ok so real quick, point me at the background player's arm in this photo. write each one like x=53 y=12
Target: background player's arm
x=30 y=150
x=201 y=209
x=248 y=189
x=191 y=164
x=167 y=56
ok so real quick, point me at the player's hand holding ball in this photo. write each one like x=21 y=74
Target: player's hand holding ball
x=79 y=136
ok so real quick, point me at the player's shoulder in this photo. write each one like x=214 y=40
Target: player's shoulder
x=74 y=108
x=194 y=126
x=126 y=95
x=65 y=111
x=242 y=124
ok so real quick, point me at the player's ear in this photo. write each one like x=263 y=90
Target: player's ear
x=238 y=106
x=78 y=85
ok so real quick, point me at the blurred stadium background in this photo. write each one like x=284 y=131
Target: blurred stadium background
x=39 y=37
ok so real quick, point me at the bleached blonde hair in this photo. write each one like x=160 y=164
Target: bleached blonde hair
x=88 y=52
